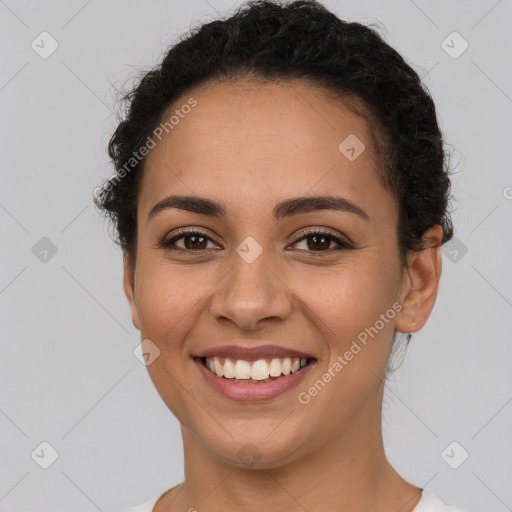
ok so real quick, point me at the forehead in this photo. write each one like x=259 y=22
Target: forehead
x=243 y=143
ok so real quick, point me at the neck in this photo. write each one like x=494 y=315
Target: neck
x=347 y=472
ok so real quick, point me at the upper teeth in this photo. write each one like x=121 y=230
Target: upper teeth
x=257 y=370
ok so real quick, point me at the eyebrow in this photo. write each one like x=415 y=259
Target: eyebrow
x=287 y=208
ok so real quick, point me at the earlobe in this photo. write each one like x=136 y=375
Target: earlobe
x=129 y=290
x=420 y=283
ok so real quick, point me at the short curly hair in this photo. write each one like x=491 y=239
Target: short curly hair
x=302 y=40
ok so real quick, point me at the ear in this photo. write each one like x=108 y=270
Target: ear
x=129 y=288
x=420 y=283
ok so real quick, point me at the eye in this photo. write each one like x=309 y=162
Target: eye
x=193 y=241
x=319 y=241
x=197 y=242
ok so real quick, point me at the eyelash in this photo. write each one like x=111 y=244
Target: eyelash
x=167 y=244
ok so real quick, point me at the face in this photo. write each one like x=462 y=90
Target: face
x=254 y=278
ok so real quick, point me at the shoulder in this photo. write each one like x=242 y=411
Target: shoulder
x=431 y=503
x=147 y=506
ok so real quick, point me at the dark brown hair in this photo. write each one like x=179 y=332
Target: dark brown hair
x=267 y=40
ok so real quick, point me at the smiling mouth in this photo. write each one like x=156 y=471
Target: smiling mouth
x=258 y=371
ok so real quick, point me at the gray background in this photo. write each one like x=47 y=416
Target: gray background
x=68 y=375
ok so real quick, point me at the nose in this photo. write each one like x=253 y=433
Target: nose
x=250 y=295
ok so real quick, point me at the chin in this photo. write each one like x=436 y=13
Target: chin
x=255 y=448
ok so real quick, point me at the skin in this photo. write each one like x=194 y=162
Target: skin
x=249 y=146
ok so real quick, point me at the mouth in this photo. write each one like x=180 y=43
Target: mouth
x=255 y=378
x=259 y=371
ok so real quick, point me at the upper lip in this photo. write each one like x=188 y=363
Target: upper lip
x=252 y=353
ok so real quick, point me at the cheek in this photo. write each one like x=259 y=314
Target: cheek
x=353 y=309
x=345 y=306
x=346 y=299
x=342 y=299
x=169 y=300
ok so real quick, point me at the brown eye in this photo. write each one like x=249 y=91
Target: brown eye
x=193 y=241
x=320 y=241
x=317 y=242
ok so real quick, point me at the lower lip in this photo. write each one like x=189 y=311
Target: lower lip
x=252 y=392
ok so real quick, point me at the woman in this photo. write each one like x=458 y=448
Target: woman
x=281 y=199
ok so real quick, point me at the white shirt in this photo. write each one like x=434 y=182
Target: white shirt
x=428 y=503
